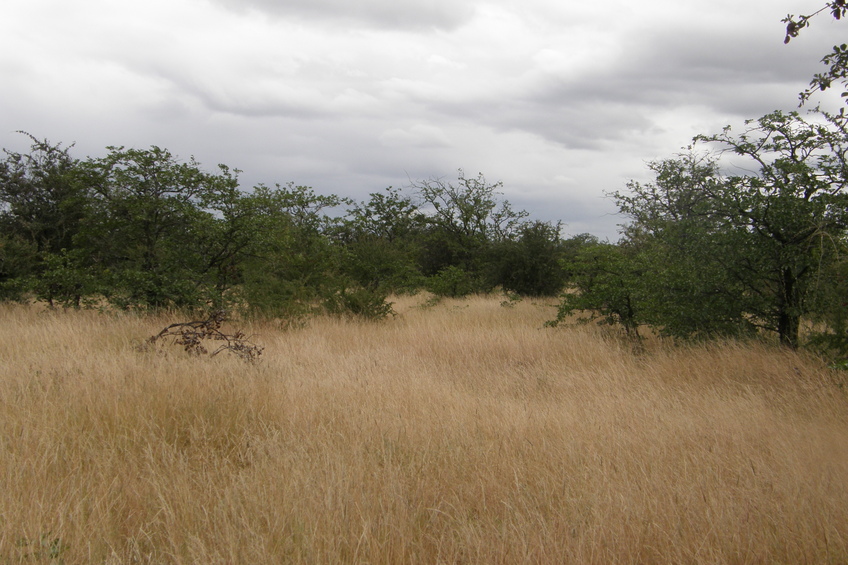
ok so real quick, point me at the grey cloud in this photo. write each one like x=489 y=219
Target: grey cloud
x=739 y=76
x=418 y=15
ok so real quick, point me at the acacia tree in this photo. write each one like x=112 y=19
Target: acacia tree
x=150 y=227
x=723 y=252
x=788 y=214
x=380 y=239
x=464 y=219
x=683 y=251
x=42 y=206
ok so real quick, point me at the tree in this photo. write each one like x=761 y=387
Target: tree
x=41 y=196
x=464 y=219
x=148 y=225
x=42 y=206
x=381 y=242
x=784 y=214
x=530 y=262
x=604 y=287
x=685 y=251
x=721 y=253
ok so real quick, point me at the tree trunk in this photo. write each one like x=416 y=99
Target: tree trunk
x=788 y=328
x=788 y=318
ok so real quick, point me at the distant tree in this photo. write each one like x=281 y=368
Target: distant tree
x=531 y=261
x=148 y=226
x=381 y=242
x=463 y=220
x=605 y=286
x=719 y=253
x=42 y=198
x=42 y=206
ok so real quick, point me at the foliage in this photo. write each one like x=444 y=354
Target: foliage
x=464 y=220
x=42 y=202
x=710 y=253
x=140 y=229
x=381 y=242
x=530 y=263
x=42 y=195
x=794 y=24
x=605 y=287
x=836 y=60
x=144 y=220
x=452 y=282
x=293 y=265
x=65 y=279
x=360 y=302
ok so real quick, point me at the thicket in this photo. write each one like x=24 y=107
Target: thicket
x=743 y=234
x=140 y=229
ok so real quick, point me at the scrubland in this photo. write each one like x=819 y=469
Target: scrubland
x=463 y=432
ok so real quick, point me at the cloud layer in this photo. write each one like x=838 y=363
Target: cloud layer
x=560 y=102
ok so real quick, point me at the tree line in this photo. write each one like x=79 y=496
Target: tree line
x=744 y=233
x=140 y=229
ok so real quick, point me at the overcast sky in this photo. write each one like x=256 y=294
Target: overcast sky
x=561 y=100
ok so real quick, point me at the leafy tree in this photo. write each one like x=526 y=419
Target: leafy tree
x=465 y=218
x=687 y=252
x=720 y=253
x=65 y=279
x=782 y=215
x=296 y=269
x=42 y=197
x=42 y=206
x=530 y=263
x=225 y=236
x=381 y=241
x=146 y=219
x=605 y=287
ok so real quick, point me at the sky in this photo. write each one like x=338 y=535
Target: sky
x=562 y=101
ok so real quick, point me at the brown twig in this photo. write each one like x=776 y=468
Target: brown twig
x=192 y=335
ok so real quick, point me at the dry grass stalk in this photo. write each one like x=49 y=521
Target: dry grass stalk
x=460 y=433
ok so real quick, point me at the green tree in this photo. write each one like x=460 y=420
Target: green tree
x=605 y=286
x=295 y=268
x=530 y=262
x=381 y=242
x=146 y=222
x=42 y=206
x=720 y=253
x=782 y=216
x=464 y=219
x=689 y=253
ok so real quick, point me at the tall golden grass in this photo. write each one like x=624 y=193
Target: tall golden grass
x=459 y=433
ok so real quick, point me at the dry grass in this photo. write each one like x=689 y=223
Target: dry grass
x=461 y=433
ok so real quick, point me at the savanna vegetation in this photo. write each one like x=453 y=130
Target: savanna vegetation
x=419 y=387
x=457 y=432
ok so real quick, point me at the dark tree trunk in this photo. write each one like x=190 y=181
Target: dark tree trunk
x=788 y=318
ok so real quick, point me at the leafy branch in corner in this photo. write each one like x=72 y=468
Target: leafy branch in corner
x=193 y=335
x=838 y=9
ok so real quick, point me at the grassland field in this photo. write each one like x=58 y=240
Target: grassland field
x=461 y=432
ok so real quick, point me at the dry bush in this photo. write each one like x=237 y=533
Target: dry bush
x=459 y=433
x=194 y=337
